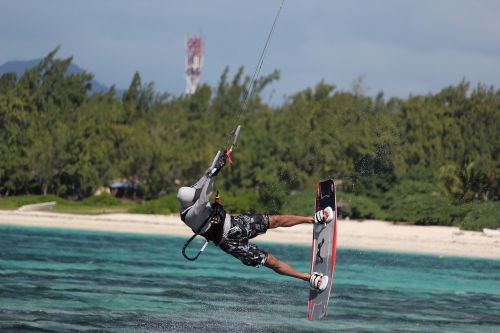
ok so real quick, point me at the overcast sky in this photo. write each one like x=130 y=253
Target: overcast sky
x=399 y=46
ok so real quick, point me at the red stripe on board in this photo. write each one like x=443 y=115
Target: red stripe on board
x=334 y=247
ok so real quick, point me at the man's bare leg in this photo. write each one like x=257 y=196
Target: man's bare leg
x=283 y=268
x=276 y=221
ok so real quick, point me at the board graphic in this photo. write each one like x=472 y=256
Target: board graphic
x=324 y=248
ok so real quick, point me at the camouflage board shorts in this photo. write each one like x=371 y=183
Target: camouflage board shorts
x=243 y=228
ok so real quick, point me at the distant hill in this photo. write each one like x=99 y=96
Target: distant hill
x=19 y=67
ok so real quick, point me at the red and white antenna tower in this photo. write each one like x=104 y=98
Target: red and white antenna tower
x=194 y=63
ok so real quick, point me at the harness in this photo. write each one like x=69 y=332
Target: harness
x=216 y=218
x=214 y=232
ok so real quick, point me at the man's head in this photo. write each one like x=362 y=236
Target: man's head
x=186 y=196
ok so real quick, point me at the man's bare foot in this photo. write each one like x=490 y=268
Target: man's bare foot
x=324 y=216
x=318 y=281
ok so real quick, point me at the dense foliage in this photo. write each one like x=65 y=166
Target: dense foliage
x=416 y=159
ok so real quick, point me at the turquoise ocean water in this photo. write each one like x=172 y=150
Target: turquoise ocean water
x=73 y=281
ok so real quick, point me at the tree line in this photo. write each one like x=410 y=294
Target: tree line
x=57 y=138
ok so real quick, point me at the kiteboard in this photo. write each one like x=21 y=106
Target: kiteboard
x=324 y=248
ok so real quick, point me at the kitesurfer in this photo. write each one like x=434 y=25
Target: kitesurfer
x=232 y=233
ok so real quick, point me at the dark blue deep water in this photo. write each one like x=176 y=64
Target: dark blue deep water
x=73 y=281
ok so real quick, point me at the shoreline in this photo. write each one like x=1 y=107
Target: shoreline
x=366 y=235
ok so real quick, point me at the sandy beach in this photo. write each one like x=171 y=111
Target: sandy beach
x=369 y=235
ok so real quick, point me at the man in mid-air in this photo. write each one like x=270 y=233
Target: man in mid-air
x=232 y=233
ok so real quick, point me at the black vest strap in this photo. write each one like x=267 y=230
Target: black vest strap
x=216 y=230
x=184 y=213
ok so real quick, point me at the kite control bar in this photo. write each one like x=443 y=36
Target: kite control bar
x=227 y=153
x=219 y=161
